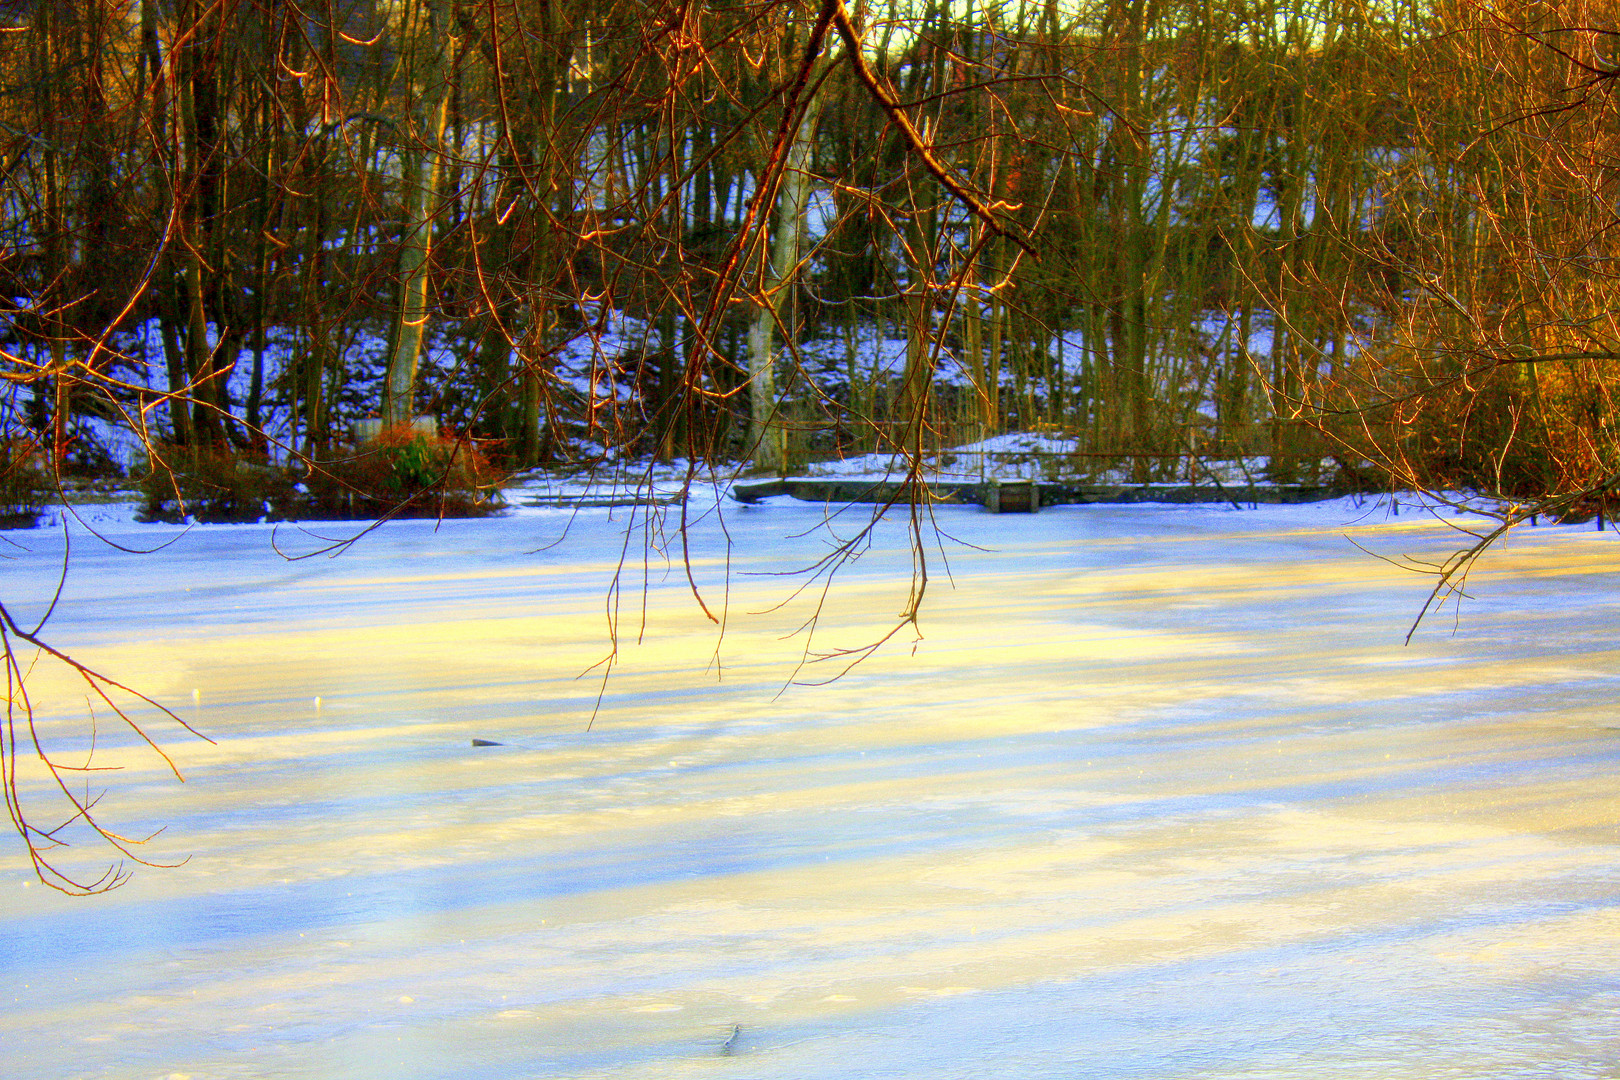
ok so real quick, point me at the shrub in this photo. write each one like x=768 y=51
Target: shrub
x=216 y=485
x=24 y=486
x=407 y=473
x=1507 y=431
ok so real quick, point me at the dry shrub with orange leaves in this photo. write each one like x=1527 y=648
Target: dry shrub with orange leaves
x=1515 y=431
x=405 y=472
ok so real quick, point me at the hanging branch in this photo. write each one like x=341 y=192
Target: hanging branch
x=985 y=212
x=22 y=732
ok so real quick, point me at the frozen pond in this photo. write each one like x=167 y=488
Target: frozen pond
x=1160 y=793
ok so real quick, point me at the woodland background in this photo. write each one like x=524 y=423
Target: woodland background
x=1377 y=232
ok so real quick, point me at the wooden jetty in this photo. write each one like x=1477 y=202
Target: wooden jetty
x=1029 y=496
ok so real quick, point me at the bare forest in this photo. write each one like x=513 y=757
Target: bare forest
x=1376 y=235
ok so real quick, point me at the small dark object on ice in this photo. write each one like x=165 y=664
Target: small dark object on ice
x=730 y=1045
x=487 y=742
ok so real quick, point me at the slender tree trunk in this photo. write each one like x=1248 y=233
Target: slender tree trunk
x=766 y=435
x=421 y=182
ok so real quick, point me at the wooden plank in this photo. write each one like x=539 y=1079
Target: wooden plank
x=1045 y=493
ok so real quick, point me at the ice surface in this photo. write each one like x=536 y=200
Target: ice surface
x=1158 y=793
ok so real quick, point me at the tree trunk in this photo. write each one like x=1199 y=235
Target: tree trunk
x=421 y=182
x=766 y=434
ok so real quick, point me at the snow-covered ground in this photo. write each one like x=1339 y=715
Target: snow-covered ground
x=1158 y=792
x=597 y=370
x=1019 y=456
x=1044 y=456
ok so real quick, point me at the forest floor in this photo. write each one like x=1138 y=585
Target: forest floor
x=1044 y=457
